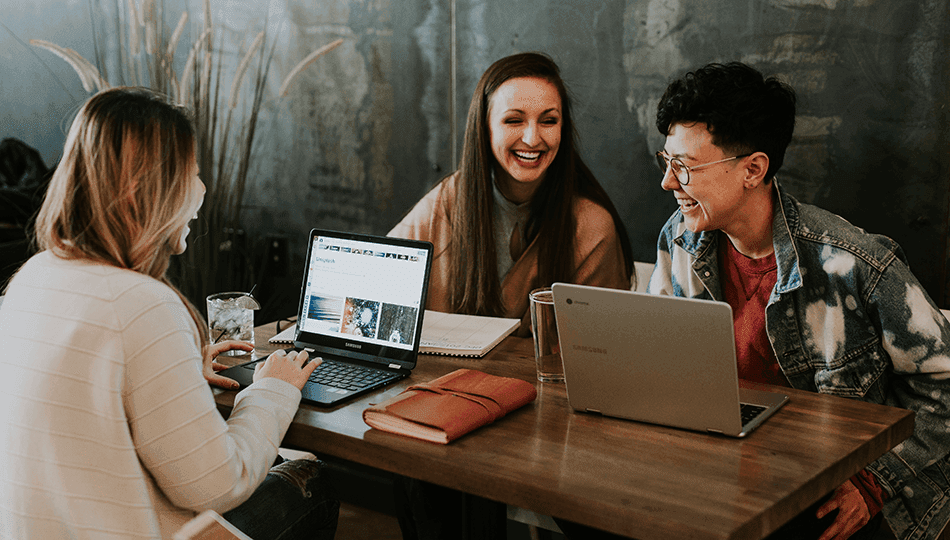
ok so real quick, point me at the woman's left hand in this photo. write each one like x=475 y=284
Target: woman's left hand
x=210 y=367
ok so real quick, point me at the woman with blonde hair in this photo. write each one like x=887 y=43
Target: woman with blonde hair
x=108 y=426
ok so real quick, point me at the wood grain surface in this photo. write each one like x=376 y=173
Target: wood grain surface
x=630 y=478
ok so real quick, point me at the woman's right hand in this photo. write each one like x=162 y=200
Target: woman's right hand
x=287 y=366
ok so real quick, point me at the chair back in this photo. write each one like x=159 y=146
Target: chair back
x=643 y=272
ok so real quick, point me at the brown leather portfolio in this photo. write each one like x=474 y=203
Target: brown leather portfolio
x=446 y=408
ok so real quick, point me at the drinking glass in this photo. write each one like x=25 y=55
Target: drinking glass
x=547 y=351
x=231 y=316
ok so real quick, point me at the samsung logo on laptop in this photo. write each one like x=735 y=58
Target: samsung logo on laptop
x=354 y=345
x=585 y=348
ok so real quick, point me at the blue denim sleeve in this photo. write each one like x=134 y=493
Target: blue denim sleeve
x=916 y=336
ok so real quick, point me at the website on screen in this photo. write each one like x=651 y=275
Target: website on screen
x=364 y=291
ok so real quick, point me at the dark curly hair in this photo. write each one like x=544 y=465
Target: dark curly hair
x=744 y=111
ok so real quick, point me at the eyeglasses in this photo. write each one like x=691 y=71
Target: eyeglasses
x=680 y=170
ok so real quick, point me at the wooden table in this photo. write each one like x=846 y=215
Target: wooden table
x=639 y=480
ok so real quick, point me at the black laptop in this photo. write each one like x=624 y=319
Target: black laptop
x=361 y=308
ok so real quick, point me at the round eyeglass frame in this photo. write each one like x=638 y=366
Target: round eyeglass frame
x=680 y=170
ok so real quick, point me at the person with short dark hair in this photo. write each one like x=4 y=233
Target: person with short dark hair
x=818 y=304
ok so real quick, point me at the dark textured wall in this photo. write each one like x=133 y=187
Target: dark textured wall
x=371 y=127
x=872 y=77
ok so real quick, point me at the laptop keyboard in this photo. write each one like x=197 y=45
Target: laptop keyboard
x=344 y=376
x=348 y=376
x=749 y=411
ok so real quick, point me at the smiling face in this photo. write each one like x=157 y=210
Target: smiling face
x=524 y=116
x=199 y=189
x=715 y=196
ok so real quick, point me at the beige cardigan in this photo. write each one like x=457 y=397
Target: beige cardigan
x=109 y=429
x=598 y=254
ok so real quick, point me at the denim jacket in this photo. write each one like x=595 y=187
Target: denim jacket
x=848 y=318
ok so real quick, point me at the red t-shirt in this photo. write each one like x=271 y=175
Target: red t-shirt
x=746 y=285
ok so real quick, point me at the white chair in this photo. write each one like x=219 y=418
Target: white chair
x=644 y=271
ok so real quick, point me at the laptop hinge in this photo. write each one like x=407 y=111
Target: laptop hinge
x=593 y=411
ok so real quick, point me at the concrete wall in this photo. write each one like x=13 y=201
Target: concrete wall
x=369 y=128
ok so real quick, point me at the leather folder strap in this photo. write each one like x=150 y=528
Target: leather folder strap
x=489 y=404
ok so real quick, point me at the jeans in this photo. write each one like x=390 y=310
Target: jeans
x=295 y=501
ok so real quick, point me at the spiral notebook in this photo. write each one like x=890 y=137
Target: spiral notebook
x=463 y=335
x=450 y=334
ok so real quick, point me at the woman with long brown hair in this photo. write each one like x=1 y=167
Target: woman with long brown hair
x=108 y=427
x=523 y=210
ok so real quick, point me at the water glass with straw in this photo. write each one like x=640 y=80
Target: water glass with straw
x=231 y=316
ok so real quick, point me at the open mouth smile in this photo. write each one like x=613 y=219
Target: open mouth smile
x=687 y=204
x=528 y=155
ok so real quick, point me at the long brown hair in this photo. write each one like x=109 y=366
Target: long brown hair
x=551 y=217
x=123 y=192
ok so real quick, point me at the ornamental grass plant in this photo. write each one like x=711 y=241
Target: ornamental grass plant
x=134 y=46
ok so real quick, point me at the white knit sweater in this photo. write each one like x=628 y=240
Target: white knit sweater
x=107 y=427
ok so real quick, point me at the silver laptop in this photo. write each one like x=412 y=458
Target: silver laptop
x=660 y=359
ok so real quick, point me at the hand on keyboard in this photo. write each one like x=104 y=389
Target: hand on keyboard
x=289 y=366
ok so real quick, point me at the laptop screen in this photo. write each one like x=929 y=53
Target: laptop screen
x=364 y=296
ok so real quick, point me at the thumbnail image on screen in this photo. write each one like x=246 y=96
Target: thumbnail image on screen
x=397 y=324
x=326 y=309
x=360 y=317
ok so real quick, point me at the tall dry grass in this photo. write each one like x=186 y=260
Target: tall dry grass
x=137 y=48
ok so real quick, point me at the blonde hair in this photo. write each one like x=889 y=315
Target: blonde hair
x=123 y=192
